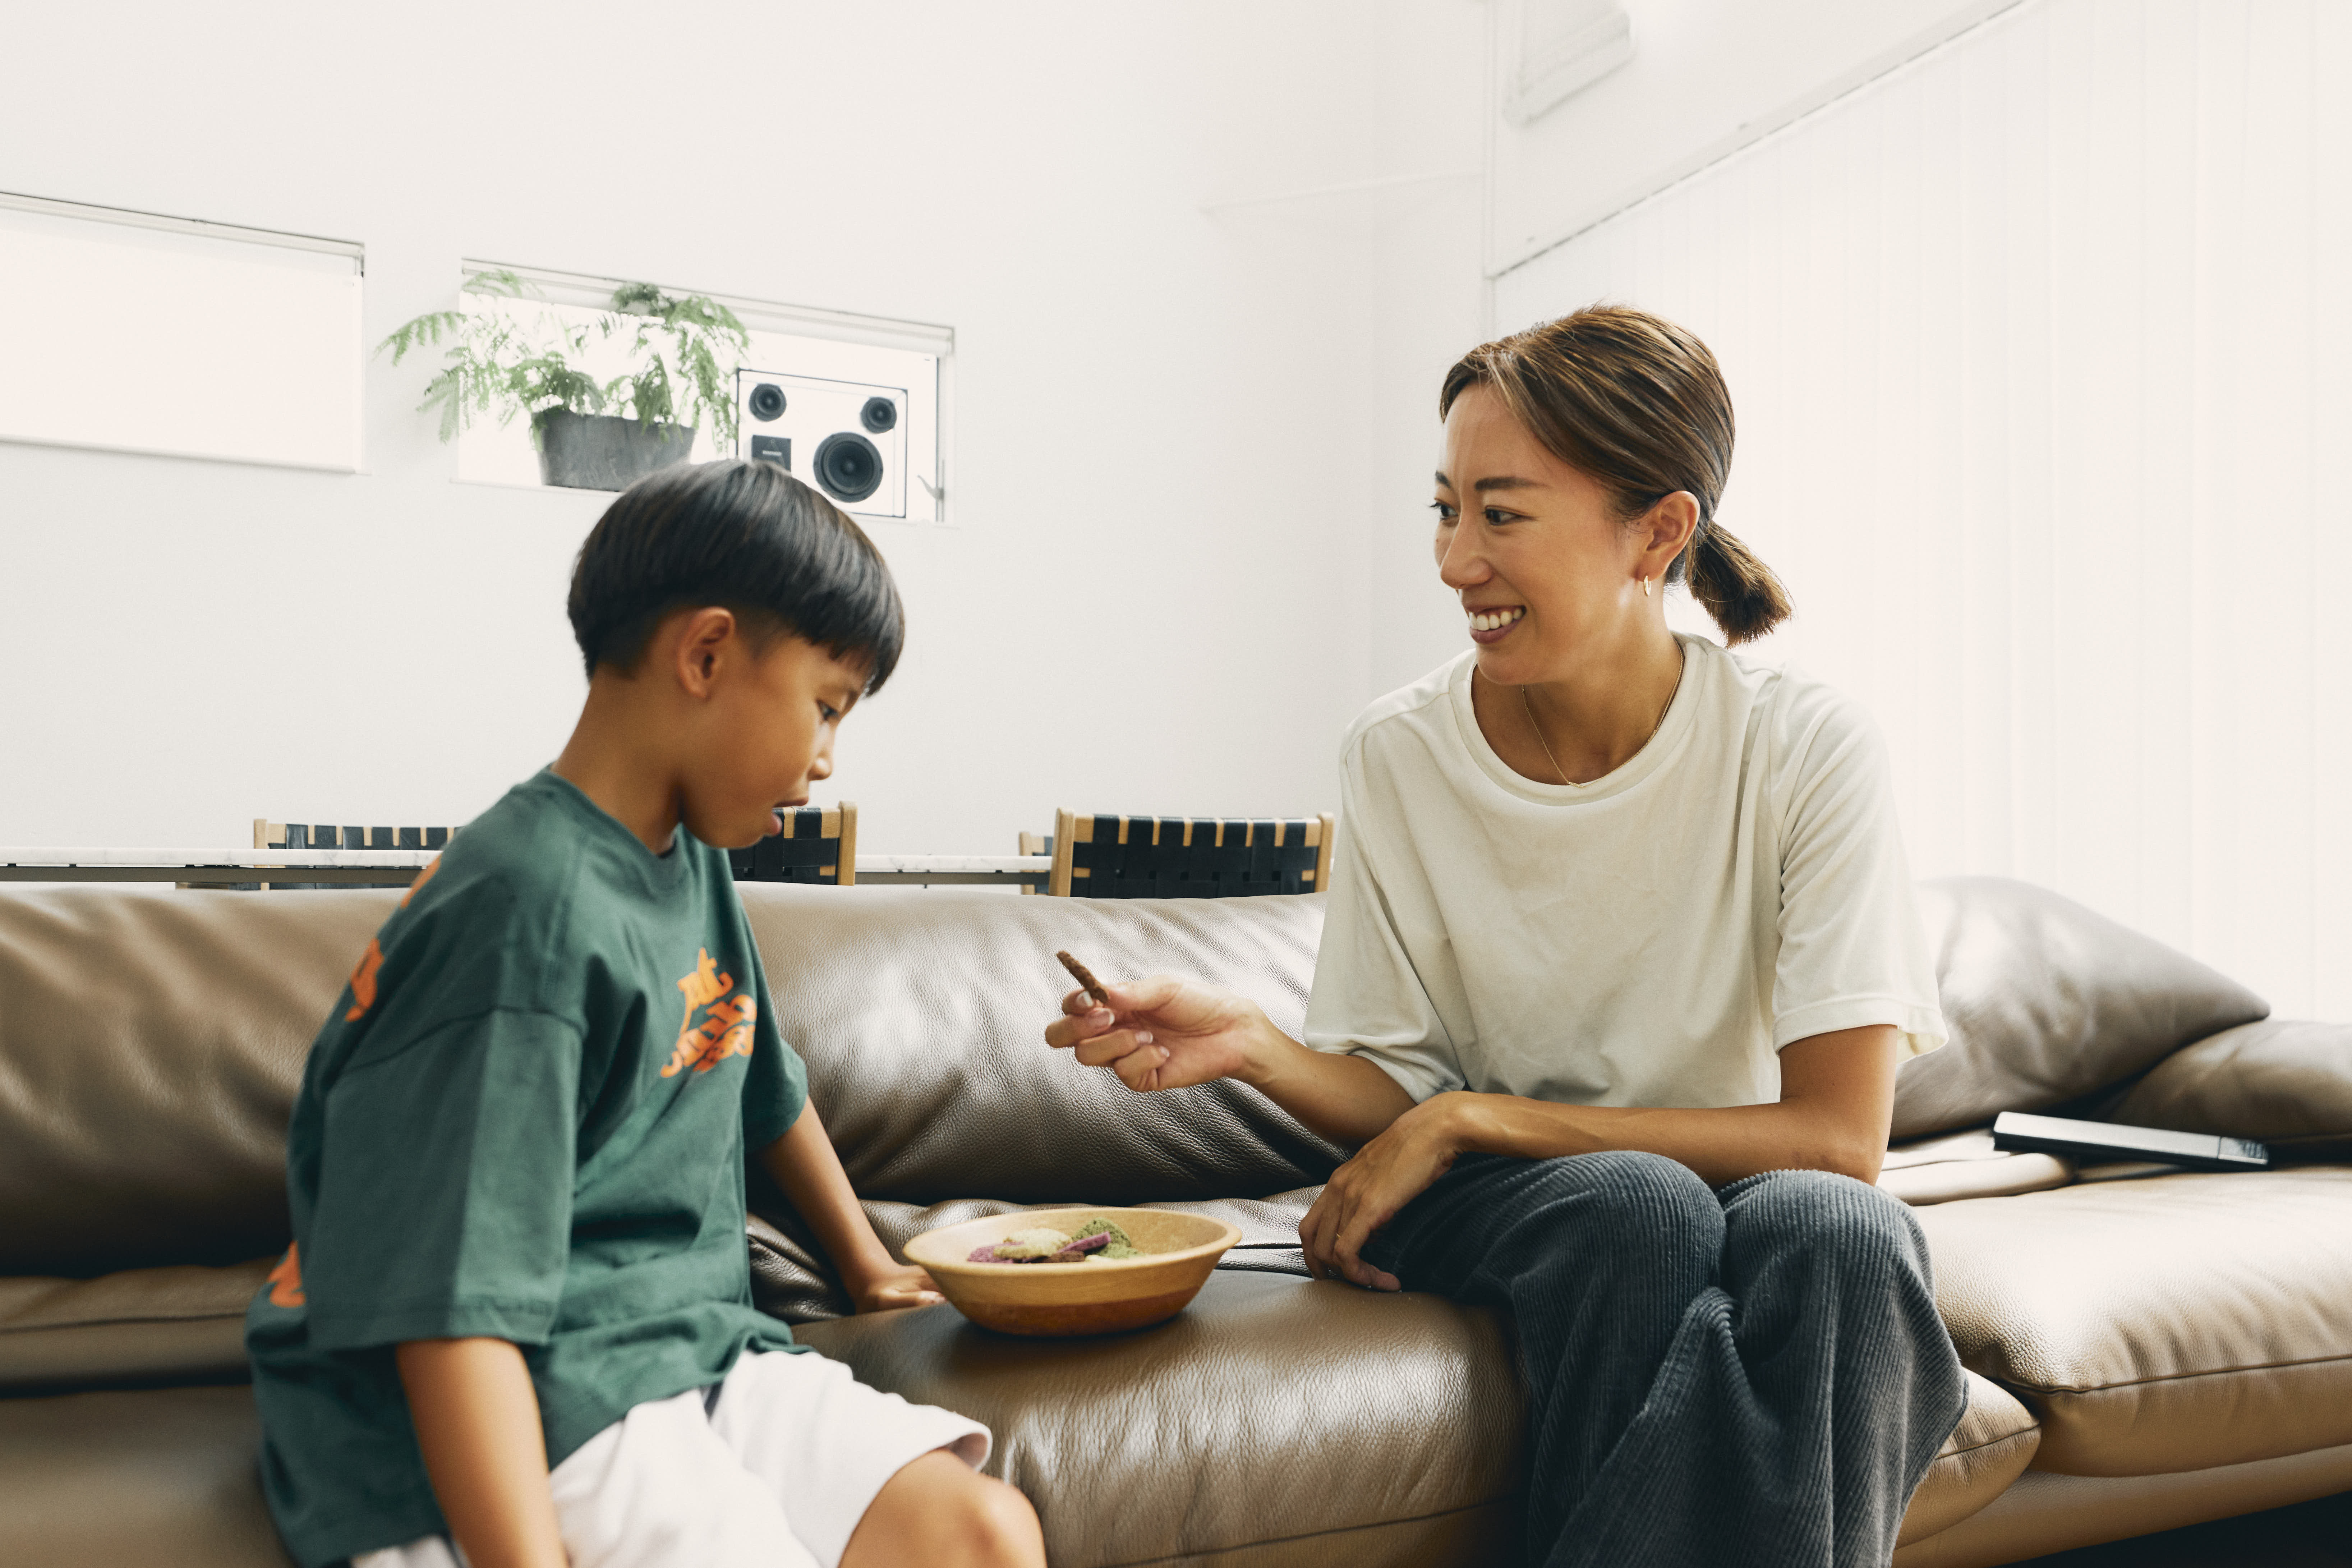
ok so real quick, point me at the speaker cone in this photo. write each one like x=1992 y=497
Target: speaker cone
x=848 y=466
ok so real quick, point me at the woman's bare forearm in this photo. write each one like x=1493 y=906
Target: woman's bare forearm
x=477 y=1419
x=1345 y=1099
x=1836 y=1093
x=1722 y=1145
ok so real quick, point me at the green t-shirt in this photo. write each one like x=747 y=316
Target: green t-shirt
x=526 y=1118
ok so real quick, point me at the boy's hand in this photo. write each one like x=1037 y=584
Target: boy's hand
x=900 y=1284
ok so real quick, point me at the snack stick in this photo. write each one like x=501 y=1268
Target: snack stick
x=1085 y=977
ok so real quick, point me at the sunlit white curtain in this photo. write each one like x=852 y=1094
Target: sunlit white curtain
x=2043 y=352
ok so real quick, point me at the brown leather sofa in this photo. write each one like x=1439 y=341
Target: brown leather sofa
x=2146 y=1352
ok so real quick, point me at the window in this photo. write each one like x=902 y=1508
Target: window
x=827 y=369
x=139 y=333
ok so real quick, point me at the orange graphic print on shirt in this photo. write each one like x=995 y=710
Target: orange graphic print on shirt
x=726 y=1027
x=285 y=1279
x=364 y=982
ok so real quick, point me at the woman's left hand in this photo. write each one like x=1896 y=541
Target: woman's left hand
x=1365 y=1193
x=900 y=1284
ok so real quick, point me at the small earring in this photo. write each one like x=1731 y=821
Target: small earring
x=1645 y=587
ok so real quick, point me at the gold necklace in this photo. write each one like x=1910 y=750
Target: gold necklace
x=1534 y=724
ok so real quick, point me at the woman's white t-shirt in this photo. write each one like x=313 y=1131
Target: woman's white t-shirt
x=1651 y=938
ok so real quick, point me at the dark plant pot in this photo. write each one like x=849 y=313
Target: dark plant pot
x=600 y=452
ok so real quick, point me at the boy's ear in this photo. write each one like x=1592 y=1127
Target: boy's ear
x=704 y=641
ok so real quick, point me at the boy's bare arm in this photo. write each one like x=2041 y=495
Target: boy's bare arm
x=476 y=1418
x=804 y=1165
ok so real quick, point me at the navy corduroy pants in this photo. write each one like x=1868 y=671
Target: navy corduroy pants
x=1753 y=1377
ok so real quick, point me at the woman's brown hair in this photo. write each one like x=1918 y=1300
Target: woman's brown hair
x=1639 y=405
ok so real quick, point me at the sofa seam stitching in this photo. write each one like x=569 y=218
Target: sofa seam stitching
x=238 y=1316
x=2172 y=1376
x=1311 y=1535
x=1992 y=1443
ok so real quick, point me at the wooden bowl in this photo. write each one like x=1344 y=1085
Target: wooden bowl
x=1076 y=1297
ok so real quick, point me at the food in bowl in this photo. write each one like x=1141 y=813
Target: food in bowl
x=1003 y=1279
x=1098 y=1238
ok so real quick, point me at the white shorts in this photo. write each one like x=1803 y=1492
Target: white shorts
x=776 y=1475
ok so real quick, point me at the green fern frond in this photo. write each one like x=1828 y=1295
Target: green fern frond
x=493 y=361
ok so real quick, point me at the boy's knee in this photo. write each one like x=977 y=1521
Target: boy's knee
x=998 y=1526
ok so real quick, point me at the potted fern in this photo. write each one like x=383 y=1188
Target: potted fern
x=678 y=357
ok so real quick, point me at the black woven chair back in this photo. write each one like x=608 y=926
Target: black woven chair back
x=1104 y=856
x=327 y=835
x=268 y=834
x=815 y=847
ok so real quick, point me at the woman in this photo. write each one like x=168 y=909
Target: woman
x=1619 y=962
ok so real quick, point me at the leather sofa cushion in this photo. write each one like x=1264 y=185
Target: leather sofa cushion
x=1272 y=1409
x=922 y=1014
x=1988 y=1450
x=149 y=1047
x=2046 y=1512
x=1278 y=1408
x=1351 y=1429
x=2288 y=1083
x=143 y=1327
x=2047 y=1001
x=2164 y=1324
x=156 y=1478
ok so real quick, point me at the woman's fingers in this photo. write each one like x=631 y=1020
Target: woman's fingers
x=1109 y=1050
x=1142 y=996
x=1309 y=1229
x=1139 y=1069
x=1349 y=1246
x=1126 y=996
x=1337 y=1225
x=1316 y=1231
x=1084 y=1025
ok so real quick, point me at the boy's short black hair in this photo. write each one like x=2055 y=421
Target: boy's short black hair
x=744 y=535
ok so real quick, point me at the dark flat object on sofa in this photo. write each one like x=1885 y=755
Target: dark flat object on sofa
x=2018 y=1133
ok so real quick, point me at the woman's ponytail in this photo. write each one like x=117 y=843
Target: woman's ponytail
x=1639 y=404
x=1738 y=590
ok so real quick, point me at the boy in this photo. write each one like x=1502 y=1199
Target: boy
x=515 y=1327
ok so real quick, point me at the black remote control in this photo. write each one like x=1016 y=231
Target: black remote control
x=2102 y=1141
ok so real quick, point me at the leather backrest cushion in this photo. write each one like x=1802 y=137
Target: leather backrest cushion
x=2047 y=1001
x=922 y=1014
x=151 y=1045
x=2284 y=1081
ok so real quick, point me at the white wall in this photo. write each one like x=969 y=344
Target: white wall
x=1427 y=307
x=1702 y=70
x=1168 y=420
x=2035 y=347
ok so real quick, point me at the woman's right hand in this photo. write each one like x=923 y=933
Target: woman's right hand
x=1162 y=1033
